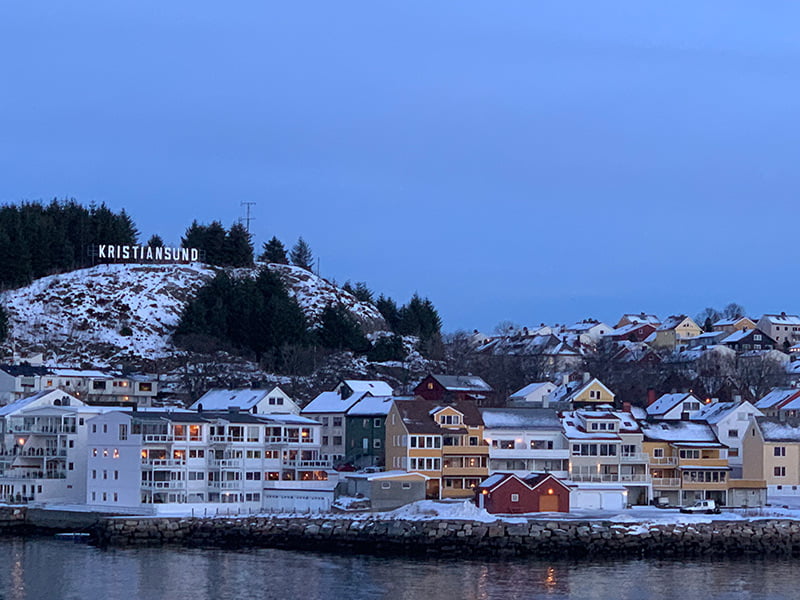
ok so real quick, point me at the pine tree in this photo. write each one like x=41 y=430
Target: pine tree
x=155 y=241
x=274 y=252
x=388 y=308
x=301 y=255
x=194 y=236
x=3 y=324
x=387 y=348
x=339 y=330
x=362 y=292
x=238 y=247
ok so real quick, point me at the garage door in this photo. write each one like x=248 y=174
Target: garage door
x=301 y=502
x=591 y=500
x=614 y=501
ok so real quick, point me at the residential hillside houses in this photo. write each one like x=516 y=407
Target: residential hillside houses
x=445 y=388
x=674 y=332
x=771 y=452
x=533 y=394
x=732 y=325
x=783 y=328
x=262 y=401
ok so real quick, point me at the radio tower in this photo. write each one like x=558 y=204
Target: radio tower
x=247 y=217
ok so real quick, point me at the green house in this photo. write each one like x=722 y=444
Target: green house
x=365 y=437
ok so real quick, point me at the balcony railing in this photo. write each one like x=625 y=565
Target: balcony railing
x=14 y=474
x=163 y=485
x=638 y=457
x=226 y=463
x=307 y=463
x=664 y=460
x=159 y=437
x=666 y=482
x=41 y=429
x=226 y=485
x=163 y=462
x=611 y=477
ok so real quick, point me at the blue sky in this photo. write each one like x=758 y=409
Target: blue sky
x=524 y=161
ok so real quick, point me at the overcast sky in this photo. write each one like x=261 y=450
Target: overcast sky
x=524 y=161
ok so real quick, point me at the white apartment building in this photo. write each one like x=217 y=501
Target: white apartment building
x=525 y=440
x=261 y=401
x=146 y=458
x=43 y=448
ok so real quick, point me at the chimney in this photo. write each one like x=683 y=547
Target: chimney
x=651 y=396
x=586 y=377
x=564 y=379
x=626 y=407
x=737 y=397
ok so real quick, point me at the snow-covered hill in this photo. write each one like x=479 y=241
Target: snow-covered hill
x=108 y=312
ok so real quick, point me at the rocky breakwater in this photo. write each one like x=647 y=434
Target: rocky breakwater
x=13 y=519
x=464 y=538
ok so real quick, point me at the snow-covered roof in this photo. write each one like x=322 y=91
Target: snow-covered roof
x=776 y=397
x=669 y=401
x=374 y=387
x=531 y=388
x=384 y=475
x=678 y=431
x=775 y=430
x=627 y=329
x=520 y=418
x=331 y=402
x=672 y=322
x=223 y=399
x=371 y=405
x=20 y=404
x=737 y=336
x=463 y=383
x=714 y=413
x=641 y=318
x=782 y=319
x=93 y=373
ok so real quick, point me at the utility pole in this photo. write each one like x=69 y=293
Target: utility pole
x=248 y=218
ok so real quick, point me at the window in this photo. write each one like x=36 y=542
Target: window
x=734 y=433
x=779 y=451
x=72 y=443
x=515 y=497
x=324 y=440
x=116 y=497
x=325 y=421
x=116 y=474
x=105 y=474
x=94 y=474
x=105 y=452
x=376 y=443
x=365 y=443
x=780 y=471
x=105 y=497
x=406 y=485
x=94 y=428
x=105 y=428
x=689 y=453
x=94 y=451
x=116 y=453
x=376 y=422
x=474 y=441
x=71 y=466
x=337 y=421
x=385 y=485
x=337 y=440
x=252 y=476
x=145 y=387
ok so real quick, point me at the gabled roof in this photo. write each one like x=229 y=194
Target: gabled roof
x=371 y=406
x=531 y=388
x=462 y=383
x=717 y=411
x=417 y=417
x=223 y=399
x=778 y=397
x=531 y=481
x=641 y=318
x=520 y=418
x=679 y=431
x=777 y=430
x=93 y=373
x=669 y=401
x=730 y=322
x=782 y=319
x=24 y=370
x=374 y=386
x=23 y=402
x=331 y=402
x=571 y=395
x=673 y=321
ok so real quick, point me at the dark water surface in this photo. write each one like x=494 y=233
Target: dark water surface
x=44 y=569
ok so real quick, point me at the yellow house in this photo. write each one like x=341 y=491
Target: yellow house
x=771 y=449
x=688 y=463
x=674 y=331
x=734 y=325
x=591 y=392
x=443 y=441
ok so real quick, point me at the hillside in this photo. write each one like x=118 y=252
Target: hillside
x=109 y=312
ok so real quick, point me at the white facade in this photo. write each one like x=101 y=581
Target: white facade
x=257 y=401
x=534 y=394
x=149 y=458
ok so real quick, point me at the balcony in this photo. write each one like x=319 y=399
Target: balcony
x=664 y=461
x=481 y=449
x=634 y=457
x=163 y=485
x=610 y=477
x=226 y=485
x=526 y=453
x=41 y=429
x=163 y=462
x=299 y=464
x=150 y=438
x=666 y=482
x=226 y=463
x=15 y=474
x=635 y=478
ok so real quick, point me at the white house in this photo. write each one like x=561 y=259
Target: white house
x=781 y=327
x=676 y=406
x=329 y=409
x=166 y=459
x=730 y=420
x=257 y=401
x=533 y=394
x=522 y=440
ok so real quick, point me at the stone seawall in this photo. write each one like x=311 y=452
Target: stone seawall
x=463 y=538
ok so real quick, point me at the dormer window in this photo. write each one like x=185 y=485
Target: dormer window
x=450 y=419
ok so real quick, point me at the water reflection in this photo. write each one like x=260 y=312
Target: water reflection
x=44 y=568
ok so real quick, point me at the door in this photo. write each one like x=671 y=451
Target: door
x=548 y=503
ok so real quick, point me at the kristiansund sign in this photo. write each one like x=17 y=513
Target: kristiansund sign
x=118 y=253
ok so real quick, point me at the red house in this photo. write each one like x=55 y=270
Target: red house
x=507 y=493
x=635 y=332
x=454 y=388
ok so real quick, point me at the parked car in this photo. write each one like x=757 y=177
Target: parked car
x=708 y=507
